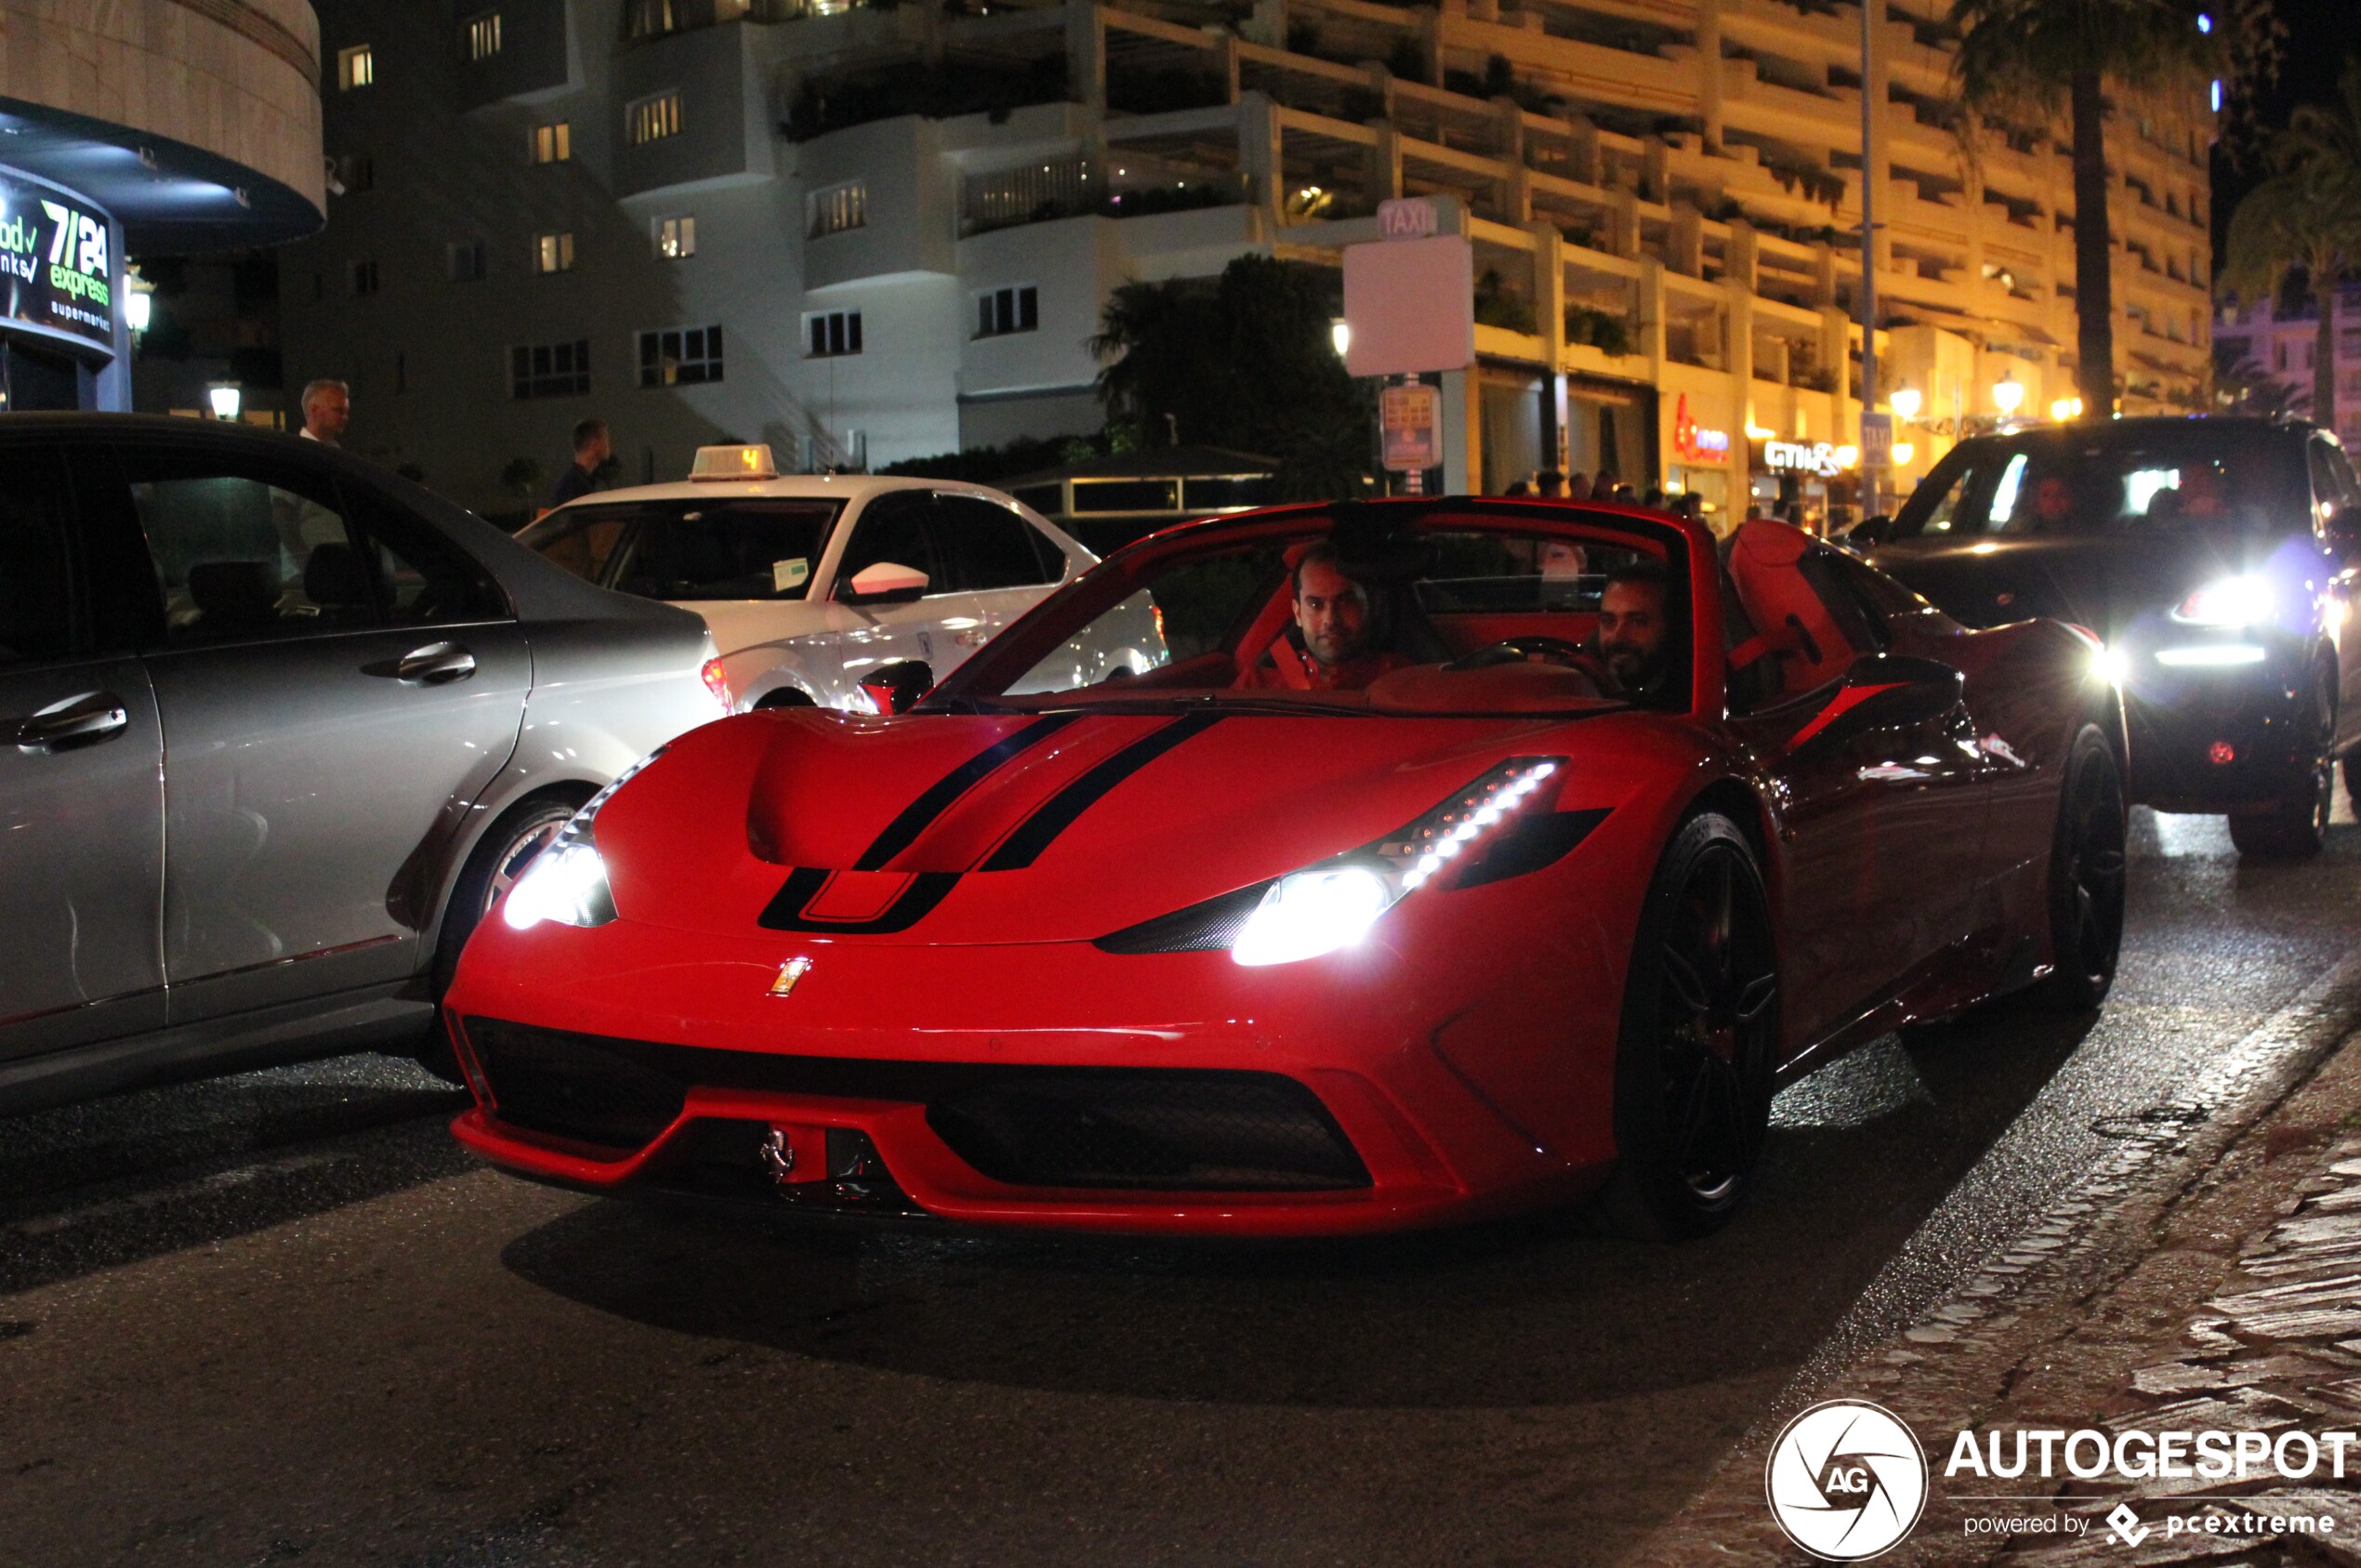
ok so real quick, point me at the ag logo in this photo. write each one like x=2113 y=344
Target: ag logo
x=1846 y=1481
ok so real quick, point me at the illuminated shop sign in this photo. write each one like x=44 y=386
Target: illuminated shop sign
x=1691 y=442
x=55 y=260
x=1816 y=458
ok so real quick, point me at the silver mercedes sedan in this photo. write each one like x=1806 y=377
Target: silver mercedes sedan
x=276 y=728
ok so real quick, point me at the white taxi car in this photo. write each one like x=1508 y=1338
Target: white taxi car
x=811 y=582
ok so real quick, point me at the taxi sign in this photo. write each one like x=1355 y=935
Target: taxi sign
x=733 y=462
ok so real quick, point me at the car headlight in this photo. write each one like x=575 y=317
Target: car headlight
x=2227 y=601
x=1323 y=908
x=567 y=882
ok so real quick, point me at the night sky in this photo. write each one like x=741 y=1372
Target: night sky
x=2322 y=34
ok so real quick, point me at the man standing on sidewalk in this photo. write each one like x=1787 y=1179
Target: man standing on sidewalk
x=581 y=478
x=327 y=408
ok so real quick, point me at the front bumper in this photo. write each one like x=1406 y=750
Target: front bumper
x=1048 y=1084
x=2216 y=738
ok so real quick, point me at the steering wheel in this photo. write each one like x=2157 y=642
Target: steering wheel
x=1524 y=650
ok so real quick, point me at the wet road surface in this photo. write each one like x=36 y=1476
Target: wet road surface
x=282 y=1318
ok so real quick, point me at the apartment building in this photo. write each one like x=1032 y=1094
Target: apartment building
x=2270 y=346
x=865 y=232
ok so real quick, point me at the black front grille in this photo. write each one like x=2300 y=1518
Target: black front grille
x=1147 y=1129
x=1143 y=1128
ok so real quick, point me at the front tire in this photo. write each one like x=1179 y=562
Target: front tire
x=1700 y=1034
x=2086 y=866
x=2297 y=827
x=521 y=833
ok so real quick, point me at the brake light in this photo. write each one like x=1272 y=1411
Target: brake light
x=716 y=681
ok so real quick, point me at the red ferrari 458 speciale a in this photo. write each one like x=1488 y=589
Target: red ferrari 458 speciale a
x=1316 y=870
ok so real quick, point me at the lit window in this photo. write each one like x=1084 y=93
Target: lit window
x=681 y=354
x=649 y=19
x=364 y=277
x=551 y=369
x=553 y=252
x=552 y=144
x=355 y=68
x=833 y=333
x=1005 y=311
x=466 y=260
x=652 y=119
x=839 y=208
x=675 y=237
x=483 y=32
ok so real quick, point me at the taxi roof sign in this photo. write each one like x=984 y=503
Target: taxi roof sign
x=733 y=462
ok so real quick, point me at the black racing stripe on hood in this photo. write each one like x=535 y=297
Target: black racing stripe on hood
x=785 y=912
x=903 y=831
x=1033 y=835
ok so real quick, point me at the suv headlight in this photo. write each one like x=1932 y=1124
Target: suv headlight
x=2228 y=602
x=1332 y=905
x=567 y=882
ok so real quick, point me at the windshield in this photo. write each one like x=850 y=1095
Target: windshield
x=2187 y=476
x=1455 y=616
x=757 y=548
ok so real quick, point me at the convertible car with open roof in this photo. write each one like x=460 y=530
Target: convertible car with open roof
x=1222 y=942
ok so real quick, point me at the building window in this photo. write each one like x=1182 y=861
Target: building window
x=839 y=208
x=483 y=32
x=648 y=18
x=652 y=119
x=1007 y=309
x=364 y=277
x=356 y=171
x=675 y=237
x=355 y=66
x=551 y=369
x=553 y=252
x=833 y=333
x=680 y=355
x=553 y=144
x=466 y=259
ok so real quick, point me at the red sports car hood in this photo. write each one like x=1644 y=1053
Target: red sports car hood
x=1007 y=828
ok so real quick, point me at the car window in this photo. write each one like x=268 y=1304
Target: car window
x=1858 y=596
x=244 y=550
x=420 y=576
x=1938 y=507
x=582 y=541
x=764 y=548
x=988 y=547
x=36 y=619
x=893 y=527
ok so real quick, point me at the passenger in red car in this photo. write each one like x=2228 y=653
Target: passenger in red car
x=1632 y=631
x=1333 y=613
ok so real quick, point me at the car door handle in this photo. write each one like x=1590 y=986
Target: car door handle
x=435 y=665
x=83 y=721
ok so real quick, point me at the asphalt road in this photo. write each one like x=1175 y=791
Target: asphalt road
x=282 y=1318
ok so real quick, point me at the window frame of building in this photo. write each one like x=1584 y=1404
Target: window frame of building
x=356 y=67
x=831 y=335
x=465 y=261
x=836 y=209
x=553 y=142
x=479 y=36
x=648 y=18
x=562 y=370
x=680 y=356
x=675 y=235
x=653 y=118
x=356 y=172
x=553 y=252
x=361 y=276
x=1004 y=312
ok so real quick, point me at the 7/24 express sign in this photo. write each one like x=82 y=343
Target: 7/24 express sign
x=56 y=264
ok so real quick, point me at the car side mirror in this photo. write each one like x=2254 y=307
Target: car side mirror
x=896 y=687
x=887 y=581
x=1871 y=531
x=2341 y=528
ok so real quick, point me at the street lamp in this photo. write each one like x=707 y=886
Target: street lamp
x=2066 y=409
x=1341 y=334
x=1905 y=402
x=2007 y=395
x=225 y=402
x=135 y=308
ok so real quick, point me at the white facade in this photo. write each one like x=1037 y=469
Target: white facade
x=2281 y=348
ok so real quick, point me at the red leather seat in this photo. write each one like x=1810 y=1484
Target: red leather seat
x=1791 y=621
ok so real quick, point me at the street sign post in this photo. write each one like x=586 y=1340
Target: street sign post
x=1410 y=419
x=1877 y=440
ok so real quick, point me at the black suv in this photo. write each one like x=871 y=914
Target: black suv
x=2215 y=559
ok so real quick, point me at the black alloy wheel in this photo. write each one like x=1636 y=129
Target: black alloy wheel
x=1700 y=1036
x=2086 y=866
x=2296 y=827
x=522 y=832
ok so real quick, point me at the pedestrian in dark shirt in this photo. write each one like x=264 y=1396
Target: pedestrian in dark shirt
x=581 y=478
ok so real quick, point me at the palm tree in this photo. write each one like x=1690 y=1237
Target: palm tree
x=2033 y=57
x=2306 y=215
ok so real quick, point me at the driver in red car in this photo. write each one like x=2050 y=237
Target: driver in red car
x=1332 y=613
x=1633 y=634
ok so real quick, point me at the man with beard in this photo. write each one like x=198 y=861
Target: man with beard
x=1332 y=615
x=1634 y=638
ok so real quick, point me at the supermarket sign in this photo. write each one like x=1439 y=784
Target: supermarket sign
x=57 y=265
